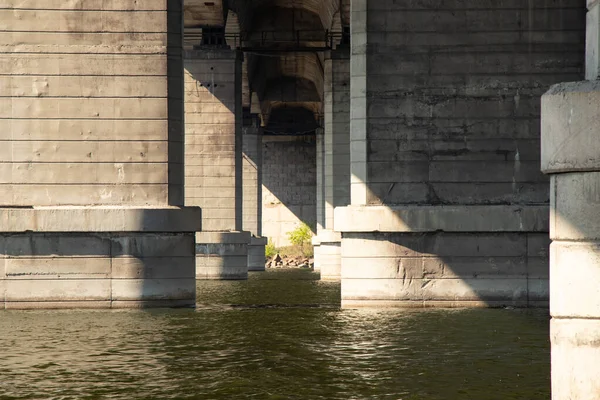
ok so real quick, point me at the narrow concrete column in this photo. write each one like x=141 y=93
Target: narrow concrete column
x=92 y=160
x=571 y=155
x=252 y=179
x=337 y=133
x=252 y=182
x=213 y=152
x=358 y=103
x=320 y=150
x=335 y=161
x=320 y=205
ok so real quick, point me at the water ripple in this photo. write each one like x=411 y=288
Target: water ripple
x=257 y=340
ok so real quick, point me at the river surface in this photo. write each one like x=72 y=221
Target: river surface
x=280 y=335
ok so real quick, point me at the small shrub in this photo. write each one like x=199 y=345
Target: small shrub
x=270 y=249
x=301 y=238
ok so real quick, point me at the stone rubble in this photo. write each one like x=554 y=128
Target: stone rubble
x=280 y=262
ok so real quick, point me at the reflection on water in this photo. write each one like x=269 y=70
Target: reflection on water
x=240 y=344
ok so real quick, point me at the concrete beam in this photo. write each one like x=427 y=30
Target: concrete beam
x=203 y=13
x=414 y=219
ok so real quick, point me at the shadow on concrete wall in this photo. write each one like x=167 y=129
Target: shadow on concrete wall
x=451 y=125
x=289 y=185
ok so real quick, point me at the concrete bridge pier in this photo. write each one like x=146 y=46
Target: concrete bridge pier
x=571 y=155
x=448 y=206
x=252 y=182
x=333 y=162
x=213 y=159
x=92 y=160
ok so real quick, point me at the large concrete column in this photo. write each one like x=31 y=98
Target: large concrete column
x=334 y=162
x=252 y=182
x=571 y=154
x=448 y=206
x=91 y=171
x=213 y=156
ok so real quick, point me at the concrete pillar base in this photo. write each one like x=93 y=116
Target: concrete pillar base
x=97 y=257
x=316 y=243
x=329 y=255
x=571 y=156
x=430 y=256
x=222 y=255
x=256 y=254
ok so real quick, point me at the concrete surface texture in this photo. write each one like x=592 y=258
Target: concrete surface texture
x=92 y=157
x=256 y=254
x=333 y=162
x=289 y=186
x=252 y=179
x=328 y=257
x=213 y=131
x=445 y=115
x=222 y=255
x=570 y=156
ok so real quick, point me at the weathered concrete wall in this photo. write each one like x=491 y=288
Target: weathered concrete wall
x=454 y=97
x=337 y=133
x=445 y=113
x=213 y=149
x=570 y=154
x=91 y=124
x=83 y=270
x=92 y=118
x=222 y=255
x=333 y=162
x=252 y=179
x=289 y=185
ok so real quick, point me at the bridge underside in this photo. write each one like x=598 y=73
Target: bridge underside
x=423 y=124
x=406 y=133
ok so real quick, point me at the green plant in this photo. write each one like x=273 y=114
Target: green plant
x=301 y=235
x=270 y=249
x=301 y=238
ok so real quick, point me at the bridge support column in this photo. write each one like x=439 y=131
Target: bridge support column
x=334 y=159
x=213 y=159
x=252 y=179
x=447 y=202
x=570 y=154
x=92 y=166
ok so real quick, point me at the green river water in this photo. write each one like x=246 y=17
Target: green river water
x=279 y=335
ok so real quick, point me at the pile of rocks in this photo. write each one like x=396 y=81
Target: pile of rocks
x=278 y=261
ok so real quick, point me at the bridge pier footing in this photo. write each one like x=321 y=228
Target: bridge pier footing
x=97 y=257
x=328 y=254
x=256 y=254
x=222 y=255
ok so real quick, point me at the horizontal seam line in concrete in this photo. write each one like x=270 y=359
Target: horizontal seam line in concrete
x=40 y=53
x=90 y=75
x=412 y=32
x=84 y=97
x=86 y=119
x=89 y=9
x=482 y=9
x=91 y=32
